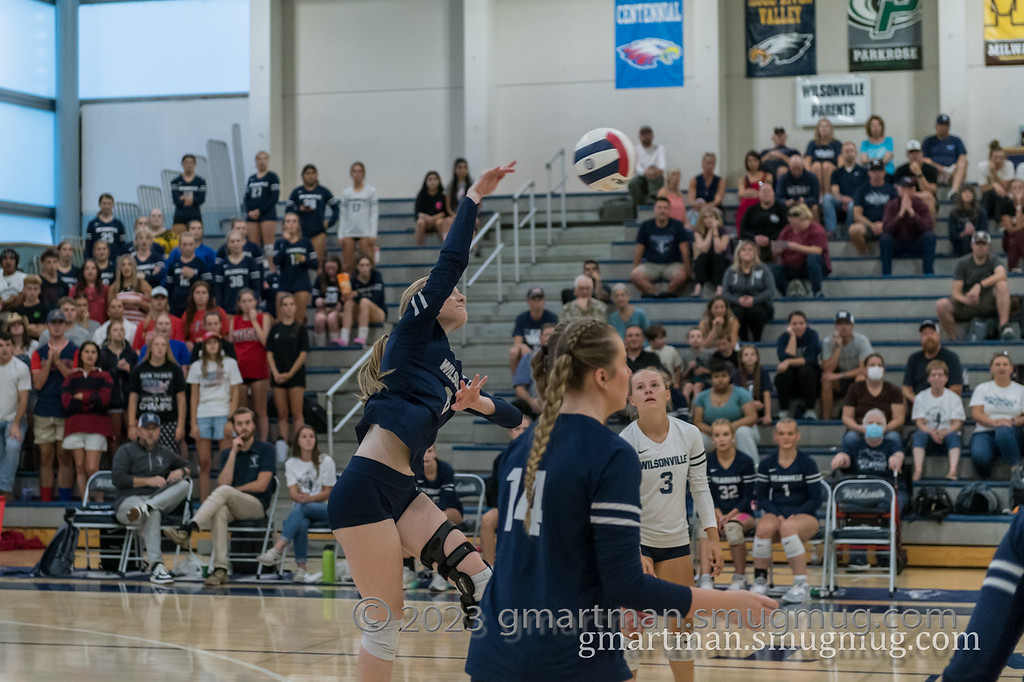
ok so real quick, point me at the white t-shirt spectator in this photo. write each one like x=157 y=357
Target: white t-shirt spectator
x=999 y=403
x=100 y=335
x=938 y=412
x=11 y=285
x=304 y=474
x=14 y=377
x=646 y=158
x=670 y=358
x=214 y=386
x=1005 y=173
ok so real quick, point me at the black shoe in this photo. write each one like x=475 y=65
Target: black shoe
x=666 y=294
x=650 y=295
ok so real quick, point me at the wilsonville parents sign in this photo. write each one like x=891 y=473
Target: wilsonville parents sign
x=844 y=100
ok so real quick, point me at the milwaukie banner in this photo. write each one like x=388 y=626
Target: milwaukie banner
x=780 y=38
x=648 y=44
x=884 y=35
x=1004 y=32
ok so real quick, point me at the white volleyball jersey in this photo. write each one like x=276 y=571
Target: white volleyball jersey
x=666 y=468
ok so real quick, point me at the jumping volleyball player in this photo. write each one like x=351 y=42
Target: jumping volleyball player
x=412 y=385
x=671 y=456
x=569 y=528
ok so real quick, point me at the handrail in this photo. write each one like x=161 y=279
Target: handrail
x=467 y=281
x=334 y=428
x=560 y=186
x=517 y=223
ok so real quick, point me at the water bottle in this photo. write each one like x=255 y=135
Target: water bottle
x=966 y=380
x=328 y=569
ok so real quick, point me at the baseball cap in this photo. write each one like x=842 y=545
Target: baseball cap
x=56 y=315
x=906 y=181
x=534 y=292
x=646 y=129
x=209 y=335
x=779 y=130
x=158 y=291
x=844 y=316
x=982 y=236
x=876 y=164
x=928 y=323
x=913 y=146
x=149 y=419
x=942 y=119
x=14 y=317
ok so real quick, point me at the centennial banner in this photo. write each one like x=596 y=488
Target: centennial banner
x=844 y=100
x=780 y=38
x=648 y=44
x=1004 y=32
x=884 y=35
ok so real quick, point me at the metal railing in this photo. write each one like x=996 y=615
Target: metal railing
x=517 y=223
x=333 y=428
x=499 y=246
x=559 y=187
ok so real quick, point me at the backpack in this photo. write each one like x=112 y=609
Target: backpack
x=59 y=557
x=932 y=503
x=1017 y=486
x=978 y=499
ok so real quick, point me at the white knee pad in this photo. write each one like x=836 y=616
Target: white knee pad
x=734 y=533
x=793 y=546
x=762 y=548
x=632 y=657
x=383 y=643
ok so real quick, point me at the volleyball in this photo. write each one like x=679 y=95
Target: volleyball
x=605 y=159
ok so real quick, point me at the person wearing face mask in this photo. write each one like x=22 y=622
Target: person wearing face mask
x=873 y=393
x=915 y=377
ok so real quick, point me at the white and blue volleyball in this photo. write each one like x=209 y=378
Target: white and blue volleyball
x=605 y=159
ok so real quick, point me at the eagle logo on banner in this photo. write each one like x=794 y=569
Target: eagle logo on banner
x=783 y=48
x=647 y=53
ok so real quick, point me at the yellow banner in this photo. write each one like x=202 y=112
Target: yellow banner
x=1004 y=32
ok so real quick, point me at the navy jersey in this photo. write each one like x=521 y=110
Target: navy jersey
x=872 y=200
x=178 y=284
x=108 y=272
x=732 y=488
x=441 y=489
x=661 y=244
x=327 y=289
x=261 y=195
x=181 y=188
x=70 y=278
x=230 y=278
x=51 y=292
x=151 y=268
x=294 y=260
x=581 y=551
x=249 y=247
x=373 y=290
x=785 y=491
x=423 y=373
x=849 y=180
x=311 y=207
x=112 y=232
x=805 y=187
x=271 y=285
x=873 y=460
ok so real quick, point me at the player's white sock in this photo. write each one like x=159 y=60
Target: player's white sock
x=344 y=336
x=480 y=581
x=799 y=579
x=362 y=333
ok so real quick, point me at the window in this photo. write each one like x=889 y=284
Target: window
x=28 y=47
x=26 y=136
x=15 y=228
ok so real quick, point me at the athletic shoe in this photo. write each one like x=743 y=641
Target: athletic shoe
x=299 y=576
x=783 y=414
x=760 y=586
x=439 y=584
x=858 y=562
x=160 y=576
x=217 y=578
x=1008 y=334
x=796 y=289
x=409 y=578
x=810 y=414
x=179 y=536
x=819 y=294
x=706 y=583
x=359 y=342
x=281 y=448
x=270 y=558
x=738 y=583
x=136 y=513
x=796 y=594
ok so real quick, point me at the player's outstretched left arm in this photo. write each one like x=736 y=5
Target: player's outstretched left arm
x=471 y=398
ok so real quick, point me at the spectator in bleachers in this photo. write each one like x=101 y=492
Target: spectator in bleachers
x=798 y=374
x=106 y=264
x=51 y=362
x=12 y=280
x=749 y=288
x=489 y=522
x=309 y=203
x=877 y=145
x=236 y=270
x=115 y=313
x=327 y=301
x=584 y=304
x=662 y=253
x=82 y=318
x=925 y=176
x=151 y=479
x=200 y=300
x=939 y=414
x=287 y=347
x=51 y=287
x=527 y=397
x=73 y=332
x=105 y=227
x=431 y=209
x=310 y=475
x=947 y=154
x=22 y=343
x=157 y=385
x=212 y=322
x=823 y=153
x=94 y=291
x=262 y=190
x=1011 y=216
x=798 y=186
x=636 y=357
x=14 y=389
x=624 y=314
x=131 y=289
x=726 y=351
x=775 y=159
x=203 y=252
x=117 y=359
x=674 y=194
x=650 y=169
x=164 y=237
x=527 y=329
x=602 y=291
x=360 y=217
x=158 y=305
x=178 y=349
x=869 y=206
x=907 y=230
x=789 y=493
x=803 y=253
x=149 y=258
x=750 y=183
x=706 y=189
x=712 y=247
x=997 y=408
x=718 y=322
x=238 y=225
x=243 y=492
x=188 y=192
x=460 y=183
x=32 y=309
x=184 y=268
x=726 y=401
x=915 y=376
x=846 y=178
x=980 y=290
x=67 y=271
x=657 y=343
x=295 y=257
x=213 y=398
x=436 y=480
x=85 y=395
x=994 y=176
x=763 y=222
x=966 y=218
x=755 y=378
x=248 y=331
x=732 y=478
x=873 y=393
x=366 y=304
x=842 y=360
x=696 y=365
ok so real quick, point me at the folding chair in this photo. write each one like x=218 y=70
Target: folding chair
x=254 y=529
x=865 y=514
x=470 y=489
x=821 y=538
x=102 y=517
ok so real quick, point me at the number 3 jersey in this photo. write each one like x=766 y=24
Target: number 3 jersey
x=666 y=468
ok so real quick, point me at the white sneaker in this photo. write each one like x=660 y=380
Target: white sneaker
x=797 y=594
x=409 y=578
x=299 y=576
x=738 y=583
x=760 y=586
x=343 y=575
x=439 y=584
x=706 y=583
x=270 y=558
x=160 y=576
x=783 y=414
x=810 y=415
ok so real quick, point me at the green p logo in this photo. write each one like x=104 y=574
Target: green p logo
x=889 y=15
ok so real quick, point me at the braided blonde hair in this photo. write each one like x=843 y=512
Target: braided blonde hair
x=575 y=349
x=370 y=377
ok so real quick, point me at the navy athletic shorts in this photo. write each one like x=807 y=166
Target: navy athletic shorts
x=368 y=492
x=659 y=554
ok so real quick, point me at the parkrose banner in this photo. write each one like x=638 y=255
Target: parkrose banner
x=780 y=38
x=884 y=35
x=648 y=44
x=1004 y=32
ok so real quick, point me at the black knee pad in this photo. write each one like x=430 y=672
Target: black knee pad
x=433 y=553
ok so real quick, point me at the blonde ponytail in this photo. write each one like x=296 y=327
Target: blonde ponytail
x=370 y=377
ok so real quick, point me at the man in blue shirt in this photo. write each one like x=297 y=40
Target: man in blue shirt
x=947 y=154
x=845 y=181
x=662 y=253
x=527 y=331
x=798 y=186
x=869 y=206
